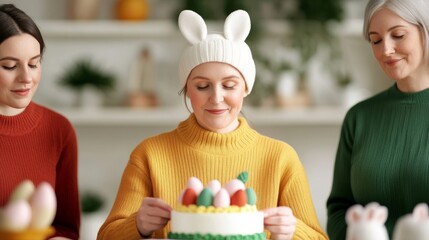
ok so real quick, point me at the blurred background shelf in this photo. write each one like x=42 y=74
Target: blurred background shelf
x=161 y=28
x=169 y=116
x=107 y=28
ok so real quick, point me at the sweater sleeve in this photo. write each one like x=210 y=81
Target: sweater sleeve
x=295 y=194
x=67 y=219
x=341 y=197
x=134 y=187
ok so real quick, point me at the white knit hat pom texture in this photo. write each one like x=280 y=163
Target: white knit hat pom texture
x=229 y=47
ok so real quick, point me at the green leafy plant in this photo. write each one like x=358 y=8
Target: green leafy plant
x=310 y=23
x=91 y=202
x=321 y=11
x=84 y=73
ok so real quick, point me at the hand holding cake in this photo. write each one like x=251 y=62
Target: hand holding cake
x=153 y=214
x=280 y=221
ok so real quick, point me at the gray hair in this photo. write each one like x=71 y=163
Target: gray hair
x=412 y=11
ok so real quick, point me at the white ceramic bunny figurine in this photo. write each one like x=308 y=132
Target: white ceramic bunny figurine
x=366 y=223
x=413 y=226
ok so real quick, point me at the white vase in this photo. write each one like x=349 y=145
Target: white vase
x=91 y=223
x=288 y=84
x=353 y=94
x=89 y=98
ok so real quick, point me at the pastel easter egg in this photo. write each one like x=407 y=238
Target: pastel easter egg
x=222 y=199
x=233 y=186
x=43 y=205
x=214 y=186
x=251 y=196
x=15 y=216
x=189 y=197
x=195 y=184
x=239 y=198
x=23 y=191
x=205 y=198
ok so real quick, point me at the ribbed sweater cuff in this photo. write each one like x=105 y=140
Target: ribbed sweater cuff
x=130 y=230
x=304 y=232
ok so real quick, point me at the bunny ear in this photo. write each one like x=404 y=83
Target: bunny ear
x=354 y=214
x=421 y=211
x=192 y=26
x=237 y=26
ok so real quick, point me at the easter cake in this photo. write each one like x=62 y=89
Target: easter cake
x=216 y=212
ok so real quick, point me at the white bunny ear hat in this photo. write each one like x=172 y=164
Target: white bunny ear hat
x=228 y=48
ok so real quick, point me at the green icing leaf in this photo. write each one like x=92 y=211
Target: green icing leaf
x=243 y=176
x=205 y=198
x=257 y=236
x=251 y=196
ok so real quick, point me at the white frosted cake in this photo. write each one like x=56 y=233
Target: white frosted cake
x=215 y=212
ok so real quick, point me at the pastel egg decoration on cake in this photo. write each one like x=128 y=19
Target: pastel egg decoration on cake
x=217 y=212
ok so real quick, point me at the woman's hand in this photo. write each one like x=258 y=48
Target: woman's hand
x=280 y=222
x=153 y=214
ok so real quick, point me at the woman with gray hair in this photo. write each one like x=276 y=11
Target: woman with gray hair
x=383 y=153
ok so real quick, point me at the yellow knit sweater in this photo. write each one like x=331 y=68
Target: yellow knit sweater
x=161 y=165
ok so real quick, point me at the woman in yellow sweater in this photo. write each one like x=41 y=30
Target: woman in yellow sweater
x=217 y=72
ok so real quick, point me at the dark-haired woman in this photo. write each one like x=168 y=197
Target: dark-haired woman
x=35 y=142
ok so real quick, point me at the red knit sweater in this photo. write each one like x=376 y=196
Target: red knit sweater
x=41 y=145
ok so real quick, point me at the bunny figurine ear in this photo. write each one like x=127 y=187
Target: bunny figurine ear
x=354 y=214
x=237 y=26
x=421 y=211
x=376 y=212
x=192 y=26
x=366 y=223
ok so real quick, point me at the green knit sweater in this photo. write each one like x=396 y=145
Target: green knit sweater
x=383 y=156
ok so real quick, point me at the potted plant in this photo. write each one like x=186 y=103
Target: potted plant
x=91 y=202
x=92 y=215
x=88 y=81
x=310 y=35
x=311 y=26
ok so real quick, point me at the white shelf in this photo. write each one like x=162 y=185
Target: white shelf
x=159 y=28
x=105 y=117
x=122 y=116
x=347 y=28
x=107 y=28
x=313 y=116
